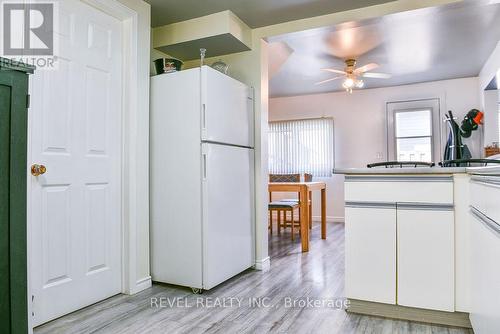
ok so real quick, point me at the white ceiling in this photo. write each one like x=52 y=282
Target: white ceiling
x=255 y=13
x=430 y=44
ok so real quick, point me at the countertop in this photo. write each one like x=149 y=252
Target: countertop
x=407 y=170
x=488 y=170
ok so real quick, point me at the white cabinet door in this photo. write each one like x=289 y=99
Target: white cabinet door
x=370 y=266
x=426 y=257
x=75 y=132
x=485 y=274
x=228 y=218
x=227 y=109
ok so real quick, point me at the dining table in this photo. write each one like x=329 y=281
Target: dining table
x=304 y=189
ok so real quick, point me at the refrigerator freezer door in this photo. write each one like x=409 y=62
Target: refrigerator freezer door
x=228 y=206
x=227 y=109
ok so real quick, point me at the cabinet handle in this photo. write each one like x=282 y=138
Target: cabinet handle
x=425 y=206
x=375 y=205
x=486 y=221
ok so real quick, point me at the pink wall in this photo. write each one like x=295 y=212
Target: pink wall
x=360 y=124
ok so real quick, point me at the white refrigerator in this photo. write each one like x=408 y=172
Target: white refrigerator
x=201 y=178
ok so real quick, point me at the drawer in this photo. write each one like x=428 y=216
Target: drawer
x=392 y=188
x=485 y=195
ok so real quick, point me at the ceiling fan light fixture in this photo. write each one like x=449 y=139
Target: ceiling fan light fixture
x=352 y=76
x=348 y=83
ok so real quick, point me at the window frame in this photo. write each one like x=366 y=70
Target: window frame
x=287 y=144
x=392 y=108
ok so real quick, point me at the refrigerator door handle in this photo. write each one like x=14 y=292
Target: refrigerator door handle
x=204 y=166
x=204 y=116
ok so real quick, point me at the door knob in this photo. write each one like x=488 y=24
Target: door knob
x=37 y=169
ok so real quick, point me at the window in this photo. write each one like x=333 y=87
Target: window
x=413 y=135
x=302 y=146
x=413 y=130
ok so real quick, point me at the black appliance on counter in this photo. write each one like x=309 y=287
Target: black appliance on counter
x=455 y=149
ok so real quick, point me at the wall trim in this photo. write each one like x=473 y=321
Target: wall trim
x=135 y=138
x=130 y=136
x=263 y=265
x=142 y=284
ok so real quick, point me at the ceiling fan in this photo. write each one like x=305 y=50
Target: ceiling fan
x=351 y=74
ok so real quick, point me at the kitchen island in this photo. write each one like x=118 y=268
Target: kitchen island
x=407 y=243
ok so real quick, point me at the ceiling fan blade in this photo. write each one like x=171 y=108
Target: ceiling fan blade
x=333 y=70
x=376 y=75
x=366 y=68
x=328 y=80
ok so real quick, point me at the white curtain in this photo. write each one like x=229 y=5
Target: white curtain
x=302 y=146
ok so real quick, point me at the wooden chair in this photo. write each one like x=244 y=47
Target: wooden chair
x=293 y=178
x=284 y=178
x=284 y=207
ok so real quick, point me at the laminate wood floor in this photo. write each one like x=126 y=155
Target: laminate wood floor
x=293 y=277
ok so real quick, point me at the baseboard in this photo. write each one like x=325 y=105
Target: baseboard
x=456 y=319
x=264 y=264
x=140 y=285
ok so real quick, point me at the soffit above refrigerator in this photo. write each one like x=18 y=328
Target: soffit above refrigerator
x=220 y=34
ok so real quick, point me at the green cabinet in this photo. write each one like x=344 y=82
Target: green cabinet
x=13 y=169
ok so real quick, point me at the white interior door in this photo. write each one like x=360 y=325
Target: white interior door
x=228 y=217
x=227 y=109
x=75 y=122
